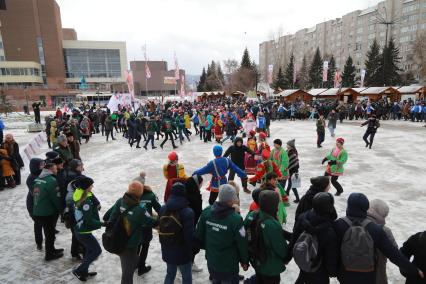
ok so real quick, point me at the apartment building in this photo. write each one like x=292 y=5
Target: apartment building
x=352 y=34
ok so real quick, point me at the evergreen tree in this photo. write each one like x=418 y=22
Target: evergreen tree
x=303 y=76
x=246 y=62
x=256 y=72
x=331 y=72
x=391 y=61
x=315 y=70
x=373 y=63
x=279 y=81
x=289 y=72
x=349 y=73
x=201 y=87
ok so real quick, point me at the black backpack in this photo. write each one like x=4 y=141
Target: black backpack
x=171 y=229
x=256 y=249
x=115 y=238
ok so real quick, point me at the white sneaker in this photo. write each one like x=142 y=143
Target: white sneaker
x=195 y=268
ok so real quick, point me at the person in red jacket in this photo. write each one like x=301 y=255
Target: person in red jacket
x=265 y=167
x=173 y=172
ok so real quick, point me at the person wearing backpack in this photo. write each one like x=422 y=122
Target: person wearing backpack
x=218 y=168
x=176 y=229
x=150 y=200
x=415 y=247
x=87 y=220
x=318 y=184
x=358 y=238
x=314 y=242
x=268 y=242
x=133 y=217
x=221 y=233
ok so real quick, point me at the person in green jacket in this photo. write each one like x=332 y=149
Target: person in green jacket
x=86 y=215
x=135 y=220
x=47 y=207
x=63 y=149
x=280 y=157
x=337 y=159
x=272 y=241
x=167 y=128
x=221 y=233
x=150 y=200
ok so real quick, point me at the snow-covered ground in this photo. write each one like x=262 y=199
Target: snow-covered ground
x=394 y=170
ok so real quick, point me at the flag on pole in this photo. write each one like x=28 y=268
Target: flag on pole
x=182 y=87
x=362 y=77
x=147 y=71
x=177 y=77
x=129 y=80
x=337 y=79
x=270 y=72
x=324 y=71
x=294 y=73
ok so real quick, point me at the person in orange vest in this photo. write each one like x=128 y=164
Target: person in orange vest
x=265 y=167
x=173 y=172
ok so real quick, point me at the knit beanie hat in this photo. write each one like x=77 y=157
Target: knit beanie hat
x=358 y=205
x=217 y=151
x=74 y=163
x=320 y=182
x=292 y=143
x=268 y=202
x=380 y=207
x=135 y=189
x=227 y=193
x=51 y=155
x=178 y=189
x=84 y=182
x=323 y=203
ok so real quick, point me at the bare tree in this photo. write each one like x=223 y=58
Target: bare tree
x=278 y=55
x=230 y=66
x=420 y=55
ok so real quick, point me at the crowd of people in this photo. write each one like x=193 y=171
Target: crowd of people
x=353 y=248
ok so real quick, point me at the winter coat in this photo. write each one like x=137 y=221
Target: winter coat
x=187 y=121
x=47 y=198
x=135 y=220
x=321 y=125
x=218 y=178
x=220 y=232
x=328 y=250
x=381 y=243
x=274 y=245
x=415 y=247
x=109 y=124
x=305 y=203
x=75 y=149
x=341 y=158
x=167 y=125
x=151 y=127
x=230 y=127
x=6 y=164
x=34 y=173
x=193 y=195
x=150 y=200
x=372 y=123
x=53 y=132
x=86 y=214
x=13 y=152
x=332 y=120
x=261 y=122
x=238 y=154
x=381 y=260
x=209 y=122
x=293 y=163
x=280 y=157
x=65 y=153
x=182 y=253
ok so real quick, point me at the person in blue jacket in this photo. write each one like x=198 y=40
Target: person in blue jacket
x=1 y=130
x=179 y=255
x=218 y=168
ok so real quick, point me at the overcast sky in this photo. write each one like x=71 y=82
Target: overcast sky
x=197 y=30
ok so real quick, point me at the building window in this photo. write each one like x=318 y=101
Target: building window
x=2 y=4
x=2 y=58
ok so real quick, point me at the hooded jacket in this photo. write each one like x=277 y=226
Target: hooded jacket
x=47 y=199
x=305 y=203
x=328 y=250
x=35 y=171
x=237 y=153
x=180 y=254
x=415 y=247
x=193 y=196
x=86 y=214
x=220 y=231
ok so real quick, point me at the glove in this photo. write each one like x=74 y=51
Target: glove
x=332 y=163
x=323 y=161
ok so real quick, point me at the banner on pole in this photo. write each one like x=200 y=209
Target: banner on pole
x=129 y=80
x=177 y=77
x=324 y=71
x=270 y=72
x=337 y=79
x=362 y=77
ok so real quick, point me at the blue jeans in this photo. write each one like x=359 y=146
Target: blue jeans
x=93 y=250
x=185 y=270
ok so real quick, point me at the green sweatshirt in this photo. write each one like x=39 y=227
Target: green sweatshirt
x=47 y=198
x=86 y=214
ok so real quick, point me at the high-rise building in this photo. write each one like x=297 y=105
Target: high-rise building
x=36 y=52
x=352 y=35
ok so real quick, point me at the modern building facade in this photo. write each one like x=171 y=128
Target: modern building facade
x=37 y=53
x=352 y=35
x=161 y=82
